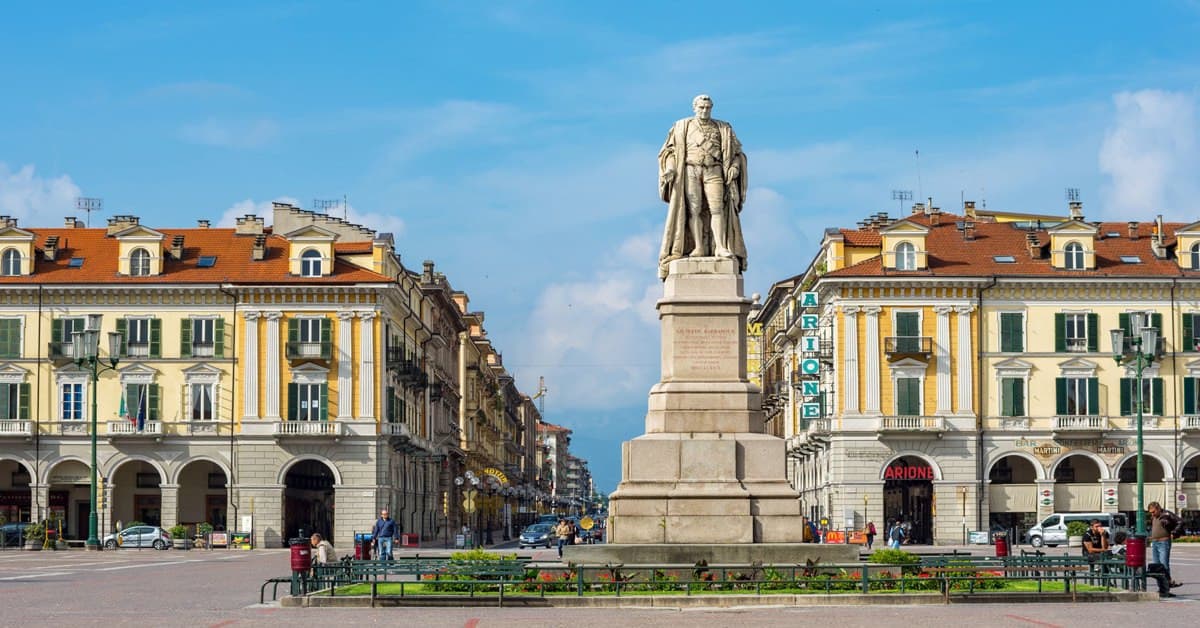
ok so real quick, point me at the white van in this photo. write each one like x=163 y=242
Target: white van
x=1052 y=530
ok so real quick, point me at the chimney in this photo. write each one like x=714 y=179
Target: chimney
x=968 y=230
x=1076 y=209
x=177 y=247
x=1035 y=249
x=935 y=216
x=427 y=268
x=50 y=249
x=250 y=225
x=121 y=223
x=260 y=247
x=969 y=210
x=202 y=224
x=70 y=223
x=918 y=208
x=8 y=221
x=1133 y=230
x=1156 y=239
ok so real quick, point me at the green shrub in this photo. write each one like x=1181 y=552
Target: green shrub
x=1077 y=528
x=204 y=529
x=35 y=532
x=909 y=562
x=178 y=531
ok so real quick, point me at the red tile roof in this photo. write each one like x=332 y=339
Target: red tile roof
x=234 y=263
x=950 y=255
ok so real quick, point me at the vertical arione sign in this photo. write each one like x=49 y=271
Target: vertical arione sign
x=810 y=343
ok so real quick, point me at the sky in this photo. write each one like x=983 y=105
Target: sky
x=515 y=143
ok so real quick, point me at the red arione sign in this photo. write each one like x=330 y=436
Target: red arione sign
x=904 y=472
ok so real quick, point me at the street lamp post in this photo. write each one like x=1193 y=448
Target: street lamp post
x=85 y=347
x=1139 y=355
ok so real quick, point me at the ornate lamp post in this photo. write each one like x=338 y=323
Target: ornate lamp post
x=85 y=347
x=1139 y=355
x=469 y=484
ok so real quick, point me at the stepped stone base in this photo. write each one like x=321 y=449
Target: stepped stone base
x=712 y=553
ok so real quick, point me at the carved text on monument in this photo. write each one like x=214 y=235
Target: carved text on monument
x=705 y=349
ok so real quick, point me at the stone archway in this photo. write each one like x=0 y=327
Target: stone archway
x=308 y=499
x=1154 y=486
x=1012 y=493
x=1077 y=479
x=69 y=497
x=203 y=494
x=137 y=493
x=16 y=496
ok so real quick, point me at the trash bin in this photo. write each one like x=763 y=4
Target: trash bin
x=301 y=555
x=1001 y=546
x=1135 y=552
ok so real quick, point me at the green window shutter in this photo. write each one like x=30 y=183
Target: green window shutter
x=1060 y=396
x=131 y=400
x=23 y=401
x=1018 y=332
x=1093 y=392
x=1123 y=322
x=1060 y=333
x=219 y=338
x=185 y=338
x=1156 y=392
x=293 y=330
x=326 y=339
x=293 y=401
x=152 y=402
x=122 y=328
x=1006 y=332
x=56 y=330
x=908 y=401
x=906 y=324
x=156 y=338
x=1126 y=387
x=1006 y=397
x=5 y=398
x=323 y=413
x=1093 y=330
x=1189 y=338
x=1018 y=402
x=1156 y=322
x=391 y=404
x=1189 y=395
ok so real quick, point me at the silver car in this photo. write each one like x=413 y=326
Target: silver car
x=537 y=534
x=139 y=536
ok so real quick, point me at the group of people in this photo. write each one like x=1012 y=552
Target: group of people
x=565 y=531
x=383 y=534
x=1164 y=526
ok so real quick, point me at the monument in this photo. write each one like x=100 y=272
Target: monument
x=704 y=481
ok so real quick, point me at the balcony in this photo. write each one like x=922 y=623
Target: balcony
x=309 y=428
x=135 y=349
x=395 y=429
x=13 y=427
x=1148 y=422
x=1080 y=424
x=817 y=429
x=1076 y=345
x=911 y=426
x=1159 y=346
x=203 y=428
x=824 y=351
x=306 y=350
x=203 y=349
x=900 y=347
x=1190 y=424
x=74 y=428
x=407 y=368
x=129 y=428
x=61 y=351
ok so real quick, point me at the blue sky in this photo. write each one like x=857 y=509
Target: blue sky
x=515 y=143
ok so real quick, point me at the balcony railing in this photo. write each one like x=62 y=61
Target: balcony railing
x=306 y=350
x=912 y=424
x=1148 y=422
x=203 y=428
x=202 y=349
x=1080 y=423
x=817 y=428
x=1077 y=345
x=74 y=428
x=1190 y=423
x=61 y=351
x=137 y=349
x=897 y=347
x=308 y=428
x=129 y=428
x=15 y=427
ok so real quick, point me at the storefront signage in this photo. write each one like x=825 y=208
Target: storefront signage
x=903 y=472
x=496 y=473
x=1104 y=447
x=810 y=343
x=808 y=299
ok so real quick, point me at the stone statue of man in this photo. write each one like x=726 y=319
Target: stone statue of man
x=702 y=177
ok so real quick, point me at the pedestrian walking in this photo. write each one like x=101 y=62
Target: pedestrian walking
x=1164 y=525
x=896 y=536
x=870 y=534
x=563 y=531
x=384 y=533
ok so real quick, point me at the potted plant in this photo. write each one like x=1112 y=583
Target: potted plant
x=202 y=531
x=179 y=538
x=1075 y=532
x=35 y=536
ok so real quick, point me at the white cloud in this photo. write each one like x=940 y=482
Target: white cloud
x=27 y=197
x=230 y=133
x=1150 y=154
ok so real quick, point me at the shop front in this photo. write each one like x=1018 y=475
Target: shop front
x=908 y=497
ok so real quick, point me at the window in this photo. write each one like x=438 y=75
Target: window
x=202 y=407
x=14 y=402
x=139 y=263
x=908 y=332
x=1073 y=259
x=1195 y=265
x=1012 y=396
x=142 y=337
x=1012 y=331
x=62 y=330
x=1076 y=333
x=1152 y=396
x=1078 y=396
x=906 y=256
x=202 y=337
x=206 y=261
x=75 y=262
x=71 y=401
x=1191 y=332
x=908 y=396
x=1191 y=395
x=141 y=403
x=309 y=338
x=307 y=402
x=1004 y=259
x=1131 y=259
x=310 y=263
x=10 y=264
x=10 y=337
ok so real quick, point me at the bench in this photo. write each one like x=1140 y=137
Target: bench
x=473 y=573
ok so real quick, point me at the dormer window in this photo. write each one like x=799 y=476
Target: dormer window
x=1195 y=265
x=139 y=263
x=906 y=256
x=310 y=263
x=1074 y=257
x=10 y=263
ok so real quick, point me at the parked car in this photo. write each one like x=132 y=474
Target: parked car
x=139 y=536
x=13 y=534
x=1052 y=530
x=537 y=534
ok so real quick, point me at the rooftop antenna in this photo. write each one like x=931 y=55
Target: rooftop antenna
x=324 y=205
x=345 y=208
x=89 y=205
x=1072 y=194
x=901 y=196
x=541 y=396
x=920 y=187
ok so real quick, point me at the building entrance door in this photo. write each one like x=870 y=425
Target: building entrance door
x=908 y=497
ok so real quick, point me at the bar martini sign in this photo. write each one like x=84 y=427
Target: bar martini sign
x=810 y=343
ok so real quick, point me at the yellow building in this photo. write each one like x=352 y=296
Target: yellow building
x=956 y=370
x=269 y=379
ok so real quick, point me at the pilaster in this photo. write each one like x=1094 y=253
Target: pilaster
x=272 y=383
x=872 y=389
x=850 y=358
x=345 y=366
x=250 y=366
x=942 y=349
x=169 y=506
x=366 y=366
x=966 y=361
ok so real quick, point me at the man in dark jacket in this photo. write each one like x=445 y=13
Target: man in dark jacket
x=384 y=533
x=1163 y=525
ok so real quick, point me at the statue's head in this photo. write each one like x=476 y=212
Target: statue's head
x=702 y=105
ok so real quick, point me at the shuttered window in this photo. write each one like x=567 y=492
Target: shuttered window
x=908 y=396
x=1012 y=332
x=1012 y=396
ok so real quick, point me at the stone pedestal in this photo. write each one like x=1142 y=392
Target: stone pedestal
x=704 y=473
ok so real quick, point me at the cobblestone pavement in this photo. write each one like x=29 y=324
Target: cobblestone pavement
x=220 y=588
